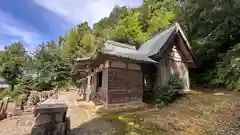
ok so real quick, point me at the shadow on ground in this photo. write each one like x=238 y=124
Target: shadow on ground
x=99 y=126
x=201 y=112
x=198 y=113
x=116 y=124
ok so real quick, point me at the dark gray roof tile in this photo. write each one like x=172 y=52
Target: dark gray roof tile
x=124 y=51
x=153 y=45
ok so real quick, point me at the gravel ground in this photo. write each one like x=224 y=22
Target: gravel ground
x=21 y=125
x=17 y=125
x=199 y=113
x=78 y=114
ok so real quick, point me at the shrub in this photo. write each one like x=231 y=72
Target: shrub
x=148 y=97
x=227 y=73
x=169 y=92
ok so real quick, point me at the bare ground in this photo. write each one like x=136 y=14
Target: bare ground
x=17 y=125
x=199 y=113
x=21 y=125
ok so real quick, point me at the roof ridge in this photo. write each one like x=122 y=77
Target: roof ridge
x=175 y=24
x=150 y=47
x=121 y=44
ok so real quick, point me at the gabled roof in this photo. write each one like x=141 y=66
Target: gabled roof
x=148 y=50
x=122 y=51
x=153 y=45
x=121 y=45
x=160 y=42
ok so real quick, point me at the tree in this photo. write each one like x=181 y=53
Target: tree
x=61 y=40
x=12 y=62
x=213 y=28
x=145 y=12
x=50 y=67
x=135 y=25
x=78 y=42
x=129 y=31
x=103 y=28
x=227 y=72
x=160 y=14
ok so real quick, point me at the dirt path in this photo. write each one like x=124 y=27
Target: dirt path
x=17 y=125
x=78 y=114
x=83 y=117
x=21 y=125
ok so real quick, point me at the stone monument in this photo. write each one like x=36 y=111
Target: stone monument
x=50 y=118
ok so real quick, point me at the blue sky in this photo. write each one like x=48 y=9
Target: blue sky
x=35 y=21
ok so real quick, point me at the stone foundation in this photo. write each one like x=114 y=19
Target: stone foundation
x=117 y=108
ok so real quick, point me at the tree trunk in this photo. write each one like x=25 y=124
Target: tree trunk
x=11 y=87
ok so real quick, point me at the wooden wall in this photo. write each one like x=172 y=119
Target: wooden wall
x=93 y=91
x=122 y=82
x=102 y=92
x=172 y=63
x=125 y=82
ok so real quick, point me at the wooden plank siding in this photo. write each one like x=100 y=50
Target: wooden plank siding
x=124 y=82
x=172 y=63
x=102 y=91
x=121 y=82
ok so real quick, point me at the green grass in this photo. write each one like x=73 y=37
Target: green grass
x=132 y=124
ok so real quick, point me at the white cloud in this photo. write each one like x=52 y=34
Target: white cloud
x=16 y=30
x=75 y=11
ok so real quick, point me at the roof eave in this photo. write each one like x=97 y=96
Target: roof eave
x=189 y=47
x=134 y=60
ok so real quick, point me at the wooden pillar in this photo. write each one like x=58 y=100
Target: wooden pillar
x=88 y=88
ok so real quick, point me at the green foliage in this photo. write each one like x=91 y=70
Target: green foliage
x=213 y=28
x=169 y=92
x=24 y=84
x=129 y=31
x=228 y=68
x=160 y=14
x=78 y=42
x=104 y=27
x=12 y=62
x=134 y=25
x=50 y=67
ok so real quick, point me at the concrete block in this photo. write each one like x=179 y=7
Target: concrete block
x=38 y=130
x=59 y=117
x=43 y=119
x=51 y=106
x=59 y=129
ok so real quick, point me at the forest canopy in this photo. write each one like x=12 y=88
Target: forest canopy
x=212 y=27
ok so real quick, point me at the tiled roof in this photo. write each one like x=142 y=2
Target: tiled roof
x=121 y=45
x=124 y=51
x=153 y=45
x=149 y=48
